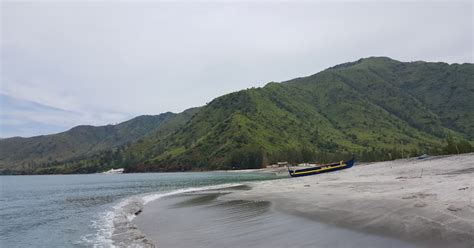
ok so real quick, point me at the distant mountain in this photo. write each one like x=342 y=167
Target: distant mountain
x=377 y=108
x=27 y=154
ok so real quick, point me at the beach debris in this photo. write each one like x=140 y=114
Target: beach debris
x=307 y=185
x=453 y=208
x=140 y=236
x=418 y=195
x=420 y=205
x=423 y=195
x=412 y=177
x=464 y=188
x=401 y=177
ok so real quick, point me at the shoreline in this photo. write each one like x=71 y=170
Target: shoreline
x=429 y=202
x=206 y=219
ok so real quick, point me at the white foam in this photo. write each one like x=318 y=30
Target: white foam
x=121 y=215
x=156 y=196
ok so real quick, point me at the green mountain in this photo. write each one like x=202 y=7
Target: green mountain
x=27 y=154
x=377 y=108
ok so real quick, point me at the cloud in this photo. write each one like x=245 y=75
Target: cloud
x=26 y=118
x=107 y=60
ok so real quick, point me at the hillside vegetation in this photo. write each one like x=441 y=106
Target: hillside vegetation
x=27 y=155
x=377 y=108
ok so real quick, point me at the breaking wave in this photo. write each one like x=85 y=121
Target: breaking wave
x=115 y=228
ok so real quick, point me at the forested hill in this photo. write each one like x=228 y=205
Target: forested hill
x=377 y=108
x=29 y=154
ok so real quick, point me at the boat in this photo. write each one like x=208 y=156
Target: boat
x=114 y=171
x=423 y=156
x=321 y=168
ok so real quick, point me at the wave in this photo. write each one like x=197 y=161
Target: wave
x=115 y=228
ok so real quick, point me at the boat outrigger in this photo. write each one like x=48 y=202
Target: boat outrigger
x=321 y=168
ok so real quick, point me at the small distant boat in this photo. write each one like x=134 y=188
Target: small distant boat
x=112 y=171
x=321 y=168
x=423 y=156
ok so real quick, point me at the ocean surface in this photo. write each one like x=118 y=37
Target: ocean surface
x=89 y=210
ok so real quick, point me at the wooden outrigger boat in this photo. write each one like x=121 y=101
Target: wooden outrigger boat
x=321 y=168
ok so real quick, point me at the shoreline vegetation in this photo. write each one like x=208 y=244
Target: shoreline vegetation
x=376 y=108
x=255 y=162
x=428 y=201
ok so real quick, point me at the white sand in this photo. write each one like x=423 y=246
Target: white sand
x=434 y=207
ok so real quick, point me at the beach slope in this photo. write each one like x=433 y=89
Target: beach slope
x=427 y=201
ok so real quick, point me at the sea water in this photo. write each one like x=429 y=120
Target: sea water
x=86 y=210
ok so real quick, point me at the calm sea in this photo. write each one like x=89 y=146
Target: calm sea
x=85 y=210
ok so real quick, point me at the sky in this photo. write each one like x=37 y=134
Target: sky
x=66 y=63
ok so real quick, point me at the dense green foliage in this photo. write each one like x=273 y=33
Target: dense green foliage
x=376 y=108
x=26 y=155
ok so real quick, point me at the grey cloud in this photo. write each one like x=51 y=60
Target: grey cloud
x=150 y=57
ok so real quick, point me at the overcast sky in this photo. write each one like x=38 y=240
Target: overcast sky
x=70 y=63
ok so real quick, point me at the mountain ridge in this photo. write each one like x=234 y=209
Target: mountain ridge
x=376 y=107
x=78 y=141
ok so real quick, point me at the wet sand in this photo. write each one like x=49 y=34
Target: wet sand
x=203 y=219
x=429 y=202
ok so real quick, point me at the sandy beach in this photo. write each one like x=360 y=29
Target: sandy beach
x=428 y=201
